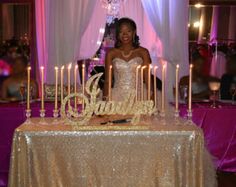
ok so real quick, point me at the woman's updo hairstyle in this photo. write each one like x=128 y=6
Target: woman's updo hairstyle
x=132 y=24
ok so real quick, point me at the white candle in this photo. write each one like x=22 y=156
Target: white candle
x=56 y=87
x=83 y=83
x=177 y=88
x=62 y=84
x=75 y=83
x=163 y=89
x=42 y=87
x=68 y=81
x=155 y=86
x=142 y=78
x=149 y=82
x=190 y=88
x=136 y=80
x=110 y=83
x=28 y=88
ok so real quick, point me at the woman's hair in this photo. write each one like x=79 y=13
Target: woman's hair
x=132 y=24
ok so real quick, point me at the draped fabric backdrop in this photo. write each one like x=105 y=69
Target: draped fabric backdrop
x=69 y=30
x=169 y=19
x=60 y=27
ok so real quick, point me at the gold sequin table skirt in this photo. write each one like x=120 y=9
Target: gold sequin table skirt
x=51 y=153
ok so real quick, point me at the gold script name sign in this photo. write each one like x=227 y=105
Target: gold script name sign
x=93 y=107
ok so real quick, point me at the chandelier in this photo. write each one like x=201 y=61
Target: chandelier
x=113 y=9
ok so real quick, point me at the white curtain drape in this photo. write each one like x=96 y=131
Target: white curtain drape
x=65 y=22
x=169 y=19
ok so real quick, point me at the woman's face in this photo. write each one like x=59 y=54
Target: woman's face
x=126 y=34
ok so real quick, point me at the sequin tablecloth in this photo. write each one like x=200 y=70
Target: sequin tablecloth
x=51 y=153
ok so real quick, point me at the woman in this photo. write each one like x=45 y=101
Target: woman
x=14 y=88
x=124 y=58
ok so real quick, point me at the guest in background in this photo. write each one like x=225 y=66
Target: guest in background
x=228 y=80
x=200 y=81
x=14 y=88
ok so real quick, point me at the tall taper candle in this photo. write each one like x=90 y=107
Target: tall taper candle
x=142 y=78
x=177 y=88
x=68 y=81
x=155 y=86
x=149 y=82
x=28 y=88
x=110 y=83
x=62 y=84
x=190 y=88
x=83 y=82
x=75 y=83
x=163 y=89
x=136 y=80
x=42 y=87
x=56 y=88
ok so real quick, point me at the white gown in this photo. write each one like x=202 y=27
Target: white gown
x=124 y=77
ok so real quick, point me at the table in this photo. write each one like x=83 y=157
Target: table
x=12 y=115
x=53 y=153
x=219 y=127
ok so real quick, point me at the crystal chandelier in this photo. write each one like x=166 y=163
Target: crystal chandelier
x=113 y=9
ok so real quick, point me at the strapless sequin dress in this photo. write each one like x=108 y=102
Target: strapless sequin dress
x=125 y=77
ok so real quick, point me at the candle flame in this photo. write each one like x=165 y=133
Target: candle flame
x=62 y=67
x=41 y=67
x=143 y=67
x=69 y=66
x=83 y=65
x=191 y=65
x=177 y=66
x=155 y=67
x=76 y=66
x=29 y=68
x=150 y=66
x=138 y=66
x=110 y=66
x=56 y=68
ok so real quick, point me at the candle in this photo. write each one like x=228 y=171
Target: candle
x=56 y=87
x=136 y=80
x=75 y=83
x=149 y=82
x=142 y=78
x=155 y=86
x=83 y=83
x=110 y=83
x=28 y=88
x=42 y=87
x=163 y=89
x=68 y=81
x=177 y=88
x=190 y=88
x=62 y=83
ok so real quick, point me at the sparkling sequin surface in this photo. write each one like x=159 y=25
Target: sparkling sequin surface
x=125 y=77
x=49 y=152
